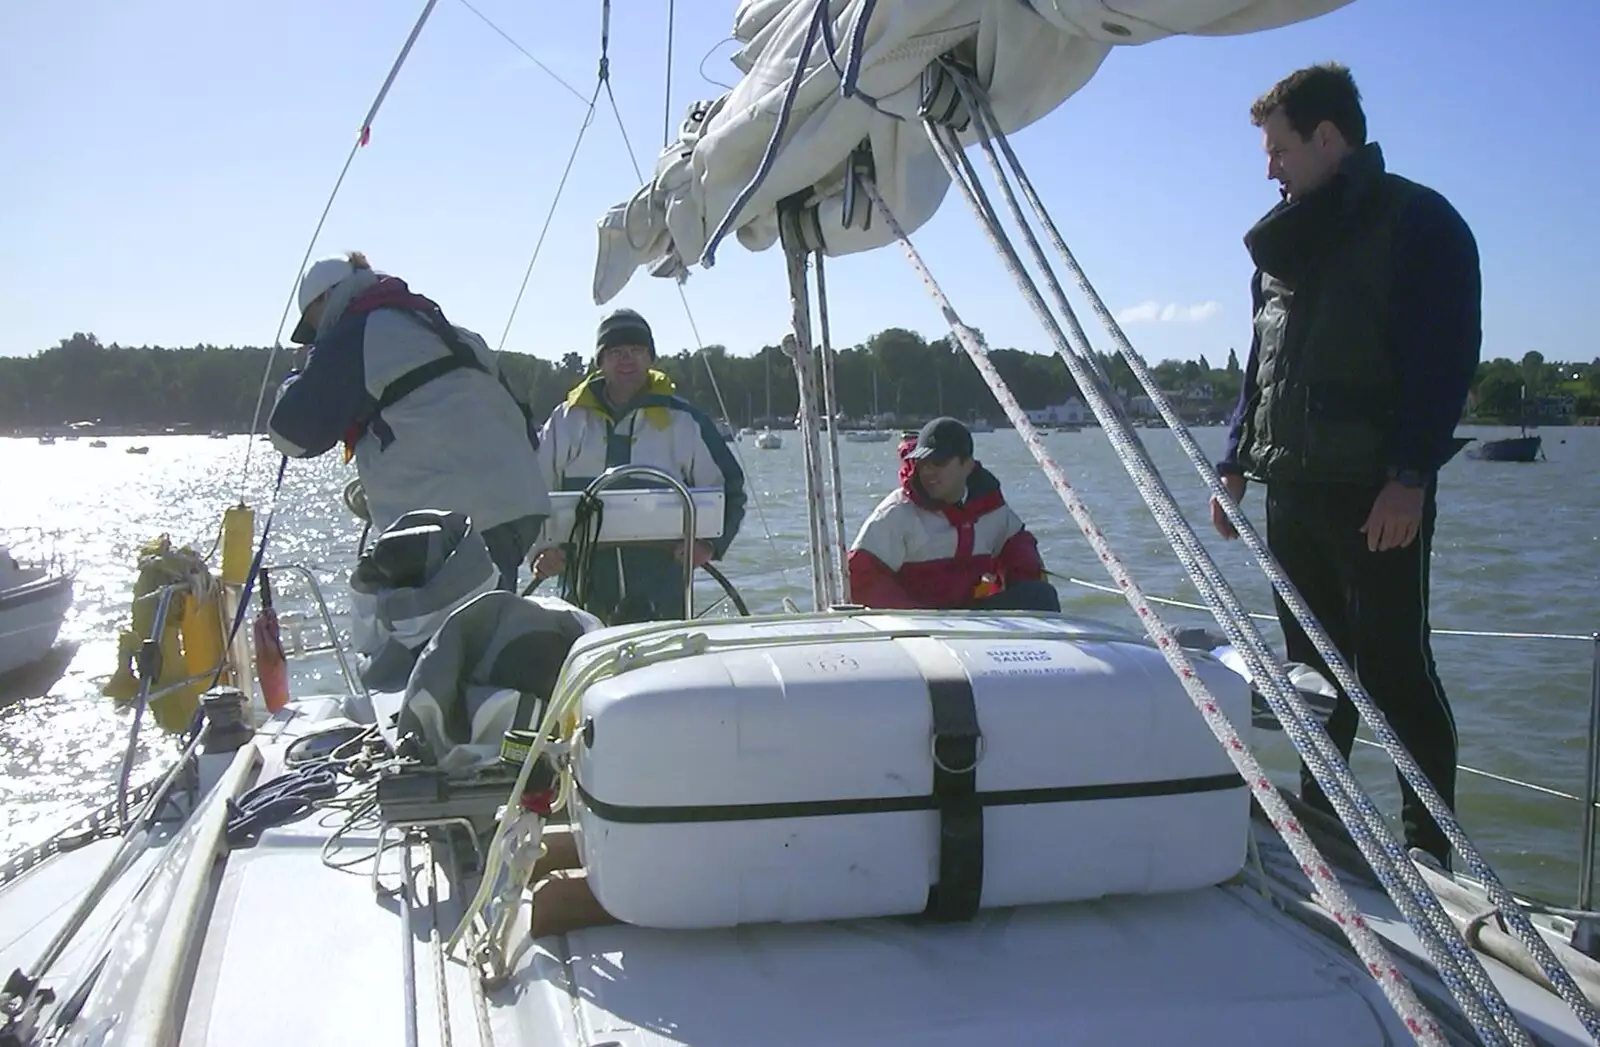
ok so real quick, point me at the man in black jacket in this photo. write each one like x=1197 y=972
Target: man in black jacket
x=1367 y=332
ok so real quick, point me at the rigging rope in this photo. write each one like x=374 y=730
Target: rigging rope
x=538 y=245
x=363 y=136
x=1254 y=647
x=666 y=104
x=1366 y=943
x=798 y=348
x=716 y=387
x=604 y=81
x=830 y=402
x=551 y=73
x=722 y=406
x=1385 y=854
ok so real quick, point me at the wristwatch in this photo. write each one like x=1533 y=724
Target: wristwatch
x=1412 y=478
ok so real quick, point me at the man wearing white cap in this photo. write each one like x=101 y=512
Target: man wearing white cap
x=419 y=404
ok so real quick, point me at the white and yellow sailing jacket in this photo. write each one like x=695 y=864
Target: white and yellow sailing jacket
x=585 y=436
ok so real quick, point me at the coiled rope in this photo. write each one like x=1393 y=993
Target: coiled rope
x=577 y=580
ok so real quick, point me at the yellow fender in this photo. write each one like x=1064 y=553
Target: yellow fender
x=191 y=643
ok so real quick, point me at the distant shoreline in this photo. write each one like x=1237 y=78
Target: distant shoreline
x=97 y=432
x=62 y=432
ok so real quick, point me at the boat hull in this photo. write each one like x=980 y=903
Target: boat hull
x=1511 y=449
x=30 y=620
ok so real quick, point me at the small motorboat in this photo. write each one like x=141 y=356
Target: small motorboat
x=141 y=449
x=34 y=599
x=1524 y=448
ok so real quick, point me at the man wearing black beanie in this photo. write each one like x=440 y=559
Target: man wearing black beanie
x=628 y=413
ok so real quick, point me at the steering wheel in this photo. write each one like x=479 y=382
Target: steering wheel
x=730 y=593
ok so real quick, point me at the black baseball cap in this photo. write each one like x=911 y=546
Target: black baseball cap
x=941 y=440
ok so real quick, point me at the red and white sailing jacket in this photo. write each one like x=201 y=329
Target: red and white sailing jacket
x=914 y=552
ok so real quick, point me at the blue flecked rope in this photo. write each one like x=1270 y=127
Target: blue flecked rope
x=279 y=802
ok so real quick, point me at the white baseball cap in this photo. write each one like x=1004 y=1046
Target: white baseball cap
x=323 y=276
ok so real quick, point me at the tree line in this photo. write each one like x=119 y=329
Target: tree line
x=896 y=377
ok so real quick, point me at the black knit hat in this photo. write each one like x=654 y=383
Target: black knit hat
x=624 y=327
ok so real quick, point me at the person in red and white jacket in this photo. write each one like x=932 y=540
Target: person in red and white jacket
x=946 y=539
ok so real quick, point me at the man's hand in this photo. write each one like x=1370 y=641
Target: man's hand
x=1234 y=484
x=548 y=562
x=1395 y=519
x=702 y=552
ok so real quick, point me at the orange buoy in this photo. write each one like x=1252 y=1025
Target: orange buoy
x=272 y=668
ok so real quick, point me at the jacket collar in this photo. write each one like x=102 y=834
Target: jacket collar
x=1291 y=237
x=342 y=295
x=983 y=496
x=653 y=402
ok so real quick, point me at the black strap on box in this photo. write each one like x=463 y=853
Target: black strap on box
x=957 y=749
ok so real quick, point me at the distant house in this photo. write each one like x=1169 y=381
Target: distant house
x=1073 y=412
x=1556 y=407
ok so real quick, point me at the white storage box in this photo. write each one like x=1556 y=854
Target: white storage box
x=638 y=514
x=794 y=780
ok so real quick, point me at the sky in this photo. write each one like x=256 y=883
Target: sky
x=166 y=162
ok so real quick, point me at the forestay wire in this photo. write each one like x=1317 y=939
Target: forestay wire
x=1453 y=956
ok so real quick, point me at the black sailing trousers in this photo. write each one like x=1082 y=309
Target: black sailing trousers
x=1374 y=607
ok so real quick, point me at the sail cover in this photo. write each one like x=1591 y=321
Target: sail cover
x=1029 y=55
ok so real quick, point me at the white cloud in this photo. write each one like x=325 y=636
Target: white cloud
x=1153 y=312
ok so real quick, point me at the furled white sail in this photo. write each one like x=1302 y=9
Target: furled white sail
x=1030 y=56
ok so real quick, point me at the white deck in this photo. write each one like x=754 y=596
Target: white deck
x=1202 y=967
x=1214 y=966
